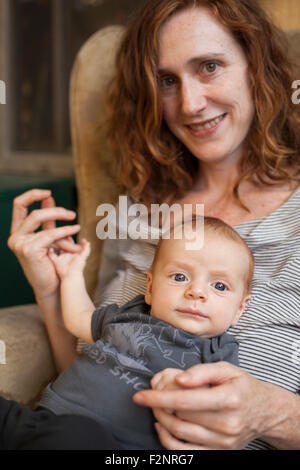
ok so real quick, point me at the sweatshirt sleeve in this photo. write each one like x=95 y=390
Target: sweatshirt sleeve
x=101 y=316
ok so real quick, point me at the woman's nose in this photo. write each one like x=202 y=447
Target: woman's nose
x=193 y=98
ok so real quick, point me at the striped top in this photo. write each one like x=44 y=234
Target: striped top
x=269 y=329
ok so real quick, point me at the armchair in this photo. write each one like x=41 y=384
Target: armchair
x=28 y=364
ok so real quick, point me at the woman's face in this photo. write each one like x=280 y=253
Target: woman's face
x=204 y=86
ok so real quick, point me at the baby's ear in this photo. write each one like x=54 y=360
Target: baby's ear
x=148 y=296
x=241 y=309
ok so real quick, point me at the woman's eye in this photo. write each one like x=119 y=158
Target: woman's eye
x=179 y=277
x=167 y=82
x=210 y=67
x=220 y=286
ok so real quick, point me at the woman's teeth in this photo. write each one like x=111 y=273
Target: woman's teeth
x=208 y=125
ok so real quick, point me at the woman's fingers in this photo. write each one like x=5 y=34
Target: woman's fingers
x=22 y=223
x=197 y=399
x=210 y=373
x=43 y=240
x=68 y=244
x=189 y=432
x=46 y=203
x=37 y=217
x=21 y=203
x=46 y=238
x=171 y=443
x=45 y=216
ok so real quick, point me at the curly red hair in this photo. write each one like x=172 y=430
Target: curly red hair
x=154 y=165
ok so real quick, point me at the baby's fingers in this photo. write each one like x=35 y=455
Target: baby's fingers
x=165 y=379
x=85 y=249
x=52 y=255
x=80 y=258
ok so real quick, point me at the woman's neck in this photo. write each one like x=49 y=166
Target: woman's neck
x=214 y=189
x=218 y=179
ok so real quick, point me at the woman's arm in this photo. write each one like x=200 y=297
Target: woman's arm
x=31 y=249
x=233 y=411
x=283 y=431
x=63 y=343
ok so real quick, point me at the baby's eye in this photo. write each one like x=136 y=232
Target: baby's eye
x=220 y=286
x=210 y=67
x=179 y=277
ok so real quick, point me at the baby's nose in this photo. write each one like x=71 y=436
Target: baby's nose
x=197 y=291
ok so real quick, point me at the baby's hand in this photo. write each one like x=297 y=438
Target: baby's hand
x=165 y=380
x=67 y=264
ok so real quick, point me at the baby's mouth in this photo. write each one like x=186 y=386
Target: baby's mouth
x=192 y=312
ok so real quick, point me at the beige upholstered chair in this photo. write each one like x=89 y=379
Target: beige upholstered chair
x=94 y=165
x=29 y=365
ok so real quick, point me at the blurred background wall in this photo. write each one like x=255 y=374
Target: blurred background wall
x=285 y=13
x=39 y=41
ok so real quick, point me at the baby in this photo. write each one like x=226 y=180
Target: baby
x=192 y=298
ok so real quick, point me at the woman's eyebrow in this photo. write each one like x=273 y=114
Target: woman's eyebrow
x=196 y=60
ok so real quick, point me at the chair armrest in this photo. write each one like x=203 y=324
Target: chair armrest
x=26 y=362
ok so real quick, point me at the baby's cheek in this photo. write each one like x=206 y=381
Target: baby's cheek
x=223 y=320
x=161 y=310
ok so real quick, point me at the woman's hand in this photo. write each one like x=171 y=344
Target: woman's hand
x=31 y=248
x=228 y=415
x=165 y=380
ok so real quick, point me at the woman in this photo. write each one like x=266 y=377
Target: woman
x=208 y=87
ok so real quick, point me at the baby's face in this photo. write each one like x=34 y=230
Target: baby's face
x=199 y=291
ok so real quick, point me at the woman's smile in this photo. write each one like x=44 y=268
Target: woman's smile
x=208 y=128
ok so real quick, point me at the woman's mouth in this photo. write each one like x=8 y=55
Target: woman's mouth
x=208 y=128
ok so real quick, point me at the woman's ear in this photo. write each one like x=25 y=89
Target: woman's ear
x=148 y=296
